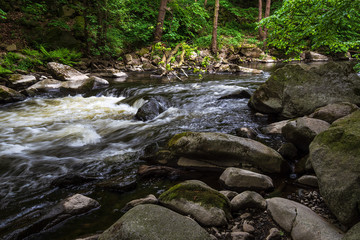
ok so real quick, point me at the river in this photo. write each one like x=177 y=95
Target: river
x=96 y=135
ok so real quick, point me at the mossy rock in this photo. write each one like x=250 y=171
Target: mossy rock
x=297 y=90
x=206 y=205
x=334 y=155
x=8 y=95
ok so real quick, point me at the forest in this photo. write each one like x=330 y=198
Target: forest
x=67 y=30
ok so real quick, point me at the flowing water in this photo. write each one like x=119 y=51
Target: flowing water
x=97 y=136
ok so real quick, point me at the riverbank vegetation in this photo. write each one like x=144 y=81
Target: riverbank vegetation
x=65 y=30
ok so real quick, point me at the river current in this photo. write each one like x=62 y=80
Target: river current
x=96 y=135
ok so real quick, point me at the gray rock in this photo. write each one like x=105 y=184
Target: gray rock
x=300 y=221
x=44 y=86
x=241 y=236
x=308 y=180
x=109 y=73
x=65 y=72
x=11 y=48
x=251 y=51
x=78 y=86
x=248 y=70
x=146 y=171
x=225 y=150
x=334 y=155
x=149 y=199
x=334 y=111
x=100 y=83
x=22 y=81
x=8 y=95
x=274 y=128
x=248 y=227
x=246 y=132
x=229 y=194
x=313 y=56
x=353 y=233
x=119 y=184
x=153 y=222
x=206 y=205
x=239 y=179
x=296 y=90
x=303 y=130
x=274 y=234
x=247 y=199
x=78 y=204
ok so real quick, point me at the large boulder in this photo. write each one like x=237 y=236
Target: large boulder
x=334 y=111
x=8 y=95
x=65 y=72
x=226 y=151
x=297 y=90
x=154 y=222
x=240 y=179
x=302 y=131
x=206 y=205
x=300 y=221
x=334 y=155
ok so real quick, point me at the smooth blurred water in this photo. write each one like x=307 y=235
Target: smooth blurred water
x=44 y=138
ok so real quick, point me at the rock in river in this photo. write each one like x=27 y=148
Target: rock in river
x=65 y=72
x=8 y=95
x=154 y=222
x=195 y=198
x=335 y=157
x=226 y=150
x=297 y=90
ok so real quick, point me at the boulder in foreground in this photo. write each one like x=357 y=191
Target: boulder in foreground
x=153 y=222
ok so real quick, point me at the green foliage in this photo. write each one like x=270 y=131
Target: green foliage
x=328 y=25
x=2 y=14
x=4 y=70
x=13 y=61
x=62 y=55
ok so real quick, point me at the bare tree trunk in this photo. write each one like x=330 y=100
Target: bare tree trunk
x=205 y=3
x=214 y=33
x=267 y=14
x=261 y=32
x=160 y=21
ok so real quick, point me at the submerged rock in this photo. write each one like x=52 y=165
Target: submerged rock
x=8 y=95
x=334 y=155
x=225 y=150
x=65 y=72
x=69 y=207
x=296 y=90
x=118 y=184
x=109 y=73
x=240 y=179
x=206 y=205
x=153 y=222
x=237 y=94
x=300 y=221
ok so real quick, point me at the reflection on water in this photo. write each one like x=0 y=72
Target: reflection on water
x=41 y=139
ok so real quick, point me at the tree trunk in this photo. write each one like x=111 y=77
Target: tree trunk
x=214 y=33
x=261 y=32
x=205 y=3
x=267 y=14
x=160 y=21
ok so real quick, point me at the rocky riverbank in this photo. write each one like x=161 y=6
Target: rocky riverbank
x=322 y=144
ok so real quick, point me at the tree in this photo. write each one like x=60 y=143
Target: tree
x=330 y=25
x=215 y=25
x=160 y=21
x=263 y=31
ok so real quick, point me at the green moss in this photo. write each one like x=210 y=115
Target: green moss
x=204 y=196
x=175 y=138
x=343 y=136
